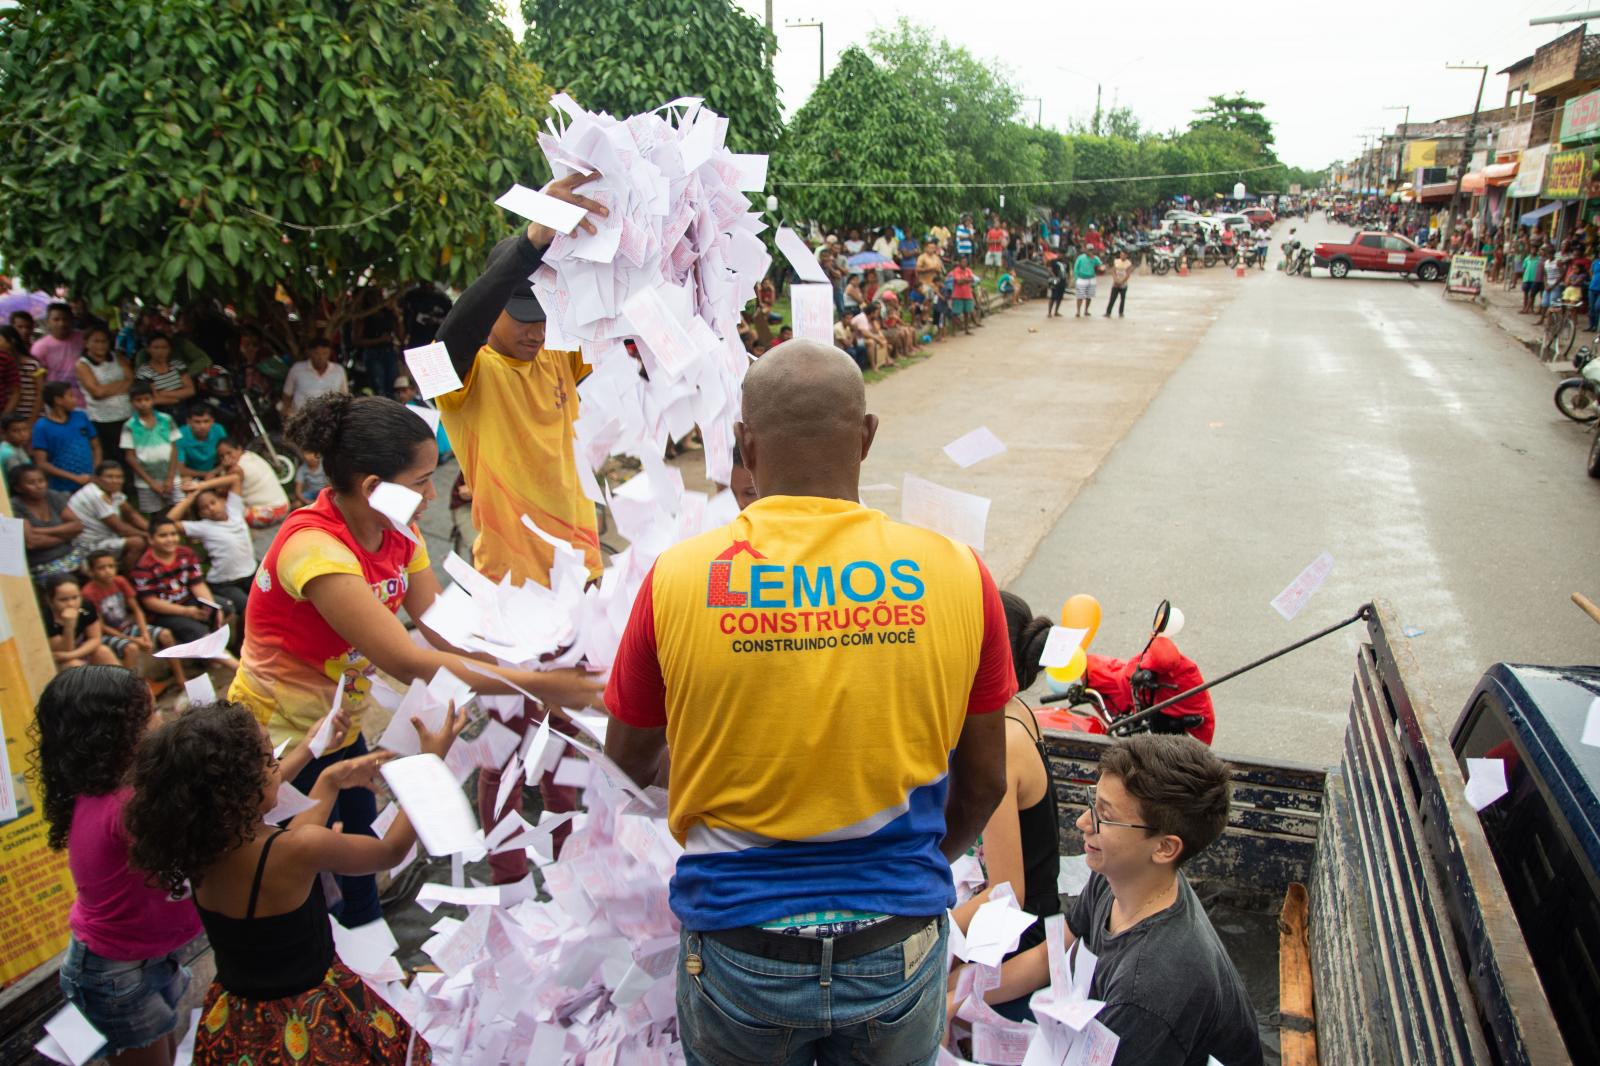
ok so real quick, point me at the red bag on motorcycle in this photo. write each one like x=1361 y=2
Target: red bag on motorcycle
x=1113 y=679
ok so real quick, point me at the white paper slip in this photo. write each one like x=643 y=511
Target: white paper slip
x=283 y=746
x=427 y=791
x=431 y=370
x=324 y=735
x=13 y=548
x=427 y=414
x=75 y=1035
x=1289 y=602
x=655 y=323
x=291 y=803
x=207 y=647
x=812 y=307
x=1486 y=782
x=466 y=896
x=1591 y=724
x=199 y=689
x=1060 y=644
x=974 y=447
x=535 y=206
x=396 y=503
x=958 y=515
x=752 y=171
x=366 y=947
x=802 y=258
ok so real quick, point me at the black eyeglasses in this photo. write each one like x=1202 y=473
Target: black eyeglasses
x=1096 y=821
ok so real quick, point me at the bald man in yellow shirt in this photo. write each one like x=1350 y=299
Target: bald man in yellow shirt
x=511 y=425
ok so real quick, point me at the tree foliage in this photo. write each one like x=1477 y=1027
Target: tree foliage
x=626 y=57
x=861 y=127
x=230 y=149
x=1236 y=114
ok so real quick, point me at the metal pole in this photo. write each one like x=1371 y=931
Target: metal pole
x=1576 y=16
x=821 y=48
x=769 y=16
x=1470 y=140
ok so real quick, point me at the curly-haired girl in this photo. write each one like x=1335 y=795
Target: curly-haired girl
x=1020 y=842
x=121 y=968
x=202 y=784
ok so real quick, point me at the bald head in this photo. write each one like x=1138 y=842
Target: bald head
x=805 y=427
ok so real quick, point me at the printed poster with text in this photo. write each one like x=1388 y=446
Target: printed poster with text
x=35 y=887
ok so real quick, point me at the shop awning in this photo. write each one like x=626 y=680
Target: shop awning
x=1439 y=190
x=1500 y=173
x=1473 y=183
x=1533 y=216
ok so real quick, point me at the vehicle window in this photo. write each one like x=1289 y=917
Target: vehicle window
x=1543 y=874
x=1371 y=240
x=1397 y=244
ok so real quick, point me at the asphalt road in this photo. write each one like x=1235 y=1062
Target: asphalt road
x=1369 y=418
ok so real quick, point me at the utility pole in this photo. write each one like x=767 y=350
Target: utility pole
x=1097 y=109
x=1471 y=138
x=1400 y=156
x=821 y=52
x=769 y=16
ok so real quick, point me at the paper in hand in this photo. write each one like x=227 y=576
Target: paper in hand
x=291 y=803
x=199 y=689
x=207 y=647
x=974 y=447
x=324 y=735
x=1060 y=644
x=427 y=791
x=535 y=206
x=431 y=370
x=1486 y=782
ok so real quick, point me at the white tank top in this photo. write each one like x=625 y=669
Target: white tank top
x=113 y=408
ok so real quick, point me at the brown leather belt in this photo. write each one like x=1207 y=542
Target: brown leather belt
x=787 y=947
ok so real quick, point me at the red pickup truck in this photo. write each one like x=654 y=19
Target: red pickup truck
x=1376 y=250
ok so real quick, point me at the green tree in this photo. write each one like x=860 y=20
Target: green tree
x=232 y=149
x=976 y=108
x=625 y=57
x=866 y=136
x=1237 y=113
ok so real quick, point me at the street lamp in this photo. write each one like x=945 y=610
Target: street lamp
x=821 y=54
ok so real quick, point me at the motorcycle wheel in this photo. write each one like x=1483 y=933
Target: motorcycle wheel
x=284 y=468
x=1577 y=400
x=1158 y=267
x=1594 y=455
x=1209 y=258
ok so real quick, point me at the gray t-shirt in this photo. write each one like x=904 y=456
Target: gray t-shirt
x=1172 y=995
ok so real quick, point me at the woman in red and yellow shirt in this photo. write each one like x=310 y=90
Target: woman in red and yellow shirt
x=326 y=596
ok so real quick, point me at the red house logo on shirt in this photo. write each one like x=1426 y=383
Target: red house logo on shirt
x=719 y=592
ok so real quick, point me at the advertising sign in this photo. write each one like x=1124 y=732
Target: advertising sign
x=1513 y=137
x=1566 y=174
x=1580 y=118
x=1530 y=175
x=35 y=888
x=1466 y=275
x=1421 y=154
x=1556 y=63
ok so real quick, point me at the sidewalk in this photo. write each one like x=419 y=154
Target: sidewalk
x=1502 y=306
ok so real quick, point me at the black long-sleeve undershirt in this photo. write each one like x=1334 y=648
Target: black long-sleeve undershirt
x=466 y=328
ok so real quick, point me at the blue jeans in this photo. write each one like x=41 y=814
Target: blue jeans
x=883 y=1007
x=383 y=366
x=133 y=1004
x=356 y=808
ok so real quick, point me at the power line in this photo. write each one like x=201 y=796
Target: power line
x=1017 y=184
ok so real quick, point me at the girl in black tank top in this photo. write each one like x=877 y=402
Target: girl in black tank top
x=202 y=786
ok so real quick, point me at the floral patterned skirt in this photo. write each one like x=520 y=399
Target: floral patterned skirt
x=341 y=1022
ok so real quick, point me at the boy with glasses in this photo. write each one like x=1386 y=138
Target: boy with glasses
x=1171 y=993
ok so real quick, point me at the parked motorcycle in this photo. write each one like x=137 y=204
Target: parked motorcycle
x=1112 y=689
x=1291 y=256
x=1162 y=259
x=239 y=409
x=1302 y=262
x=1578 y=397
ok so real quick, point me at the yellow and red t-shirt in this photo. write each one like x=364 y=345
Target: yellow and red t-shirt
x=292 y=658
x=511 y=425
x=813 y=664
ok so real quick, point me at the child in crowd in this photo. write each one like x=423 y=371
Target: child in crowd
x=65 y=445
x=201 y=786
x=197 y=443
x=221 y=528
x=265 y=502
x=109 y=520
x=310 y=479
x=72 y=625
x=50 y=529
x=122 y=622
x=149 y=444
x=122 y=967
x=167 y=579
x=13 y=444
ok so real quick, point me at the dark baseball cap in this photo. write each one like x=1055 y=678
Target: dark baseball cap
x=523 y=305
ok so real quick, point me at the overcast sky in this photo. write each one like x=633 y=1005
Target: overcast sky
x=1325 y=72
